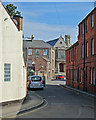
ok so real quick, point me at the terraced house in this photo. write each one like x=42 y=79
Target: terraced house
x=81 y=56
x=12 y=68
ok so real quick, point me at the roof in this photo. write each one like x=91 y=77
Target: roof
x=88 y=15
x=45 y=58
x=75 y=44
x=53 y=42
x=36 y=44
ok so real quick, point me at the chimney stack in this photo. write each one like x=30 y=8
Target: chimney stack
x=32 y=37
x=67 y=40
x=19 y=21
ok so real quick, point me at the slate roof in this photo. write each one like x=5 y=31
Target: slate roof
x=53 y=42
x=36 y=44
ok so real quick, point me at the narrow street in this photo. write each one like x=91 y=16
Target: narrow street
x=61 y=103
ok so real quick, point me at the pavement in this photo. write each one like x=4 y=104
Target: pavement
x=56 y=82
x=32 y=101
x=62 y=83
x=78 y=90
x=61 y=103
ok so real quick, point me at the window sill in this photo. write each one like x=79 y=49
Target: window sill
x=81 y=83
x=92 y=55
x=75 y=81
x=92 y=27
x=91 y=84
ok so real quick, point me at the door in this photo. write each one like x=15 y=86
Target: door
x=61 y=67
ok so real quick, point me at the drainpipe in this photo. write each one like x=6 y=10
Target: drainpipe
x=84 y=60
x=73 y=66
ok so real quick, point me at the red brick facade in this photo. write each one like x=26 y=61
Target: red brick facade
x=81 y=56
x=38 y=59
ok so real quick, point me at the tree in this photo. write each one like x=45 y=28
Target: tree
x=12 y=10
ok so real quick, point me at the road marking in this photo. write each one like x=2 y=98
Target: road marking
x=31 y=110
x=57 y=103
x=51 y=96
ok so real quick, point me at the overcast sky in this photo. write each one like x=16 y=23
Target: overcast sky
x=49 y=20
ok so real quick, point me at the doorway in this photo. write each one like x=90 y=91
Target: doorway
x=61 y=65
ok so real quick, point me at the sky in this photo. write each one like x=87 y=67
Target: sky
x=49 y=20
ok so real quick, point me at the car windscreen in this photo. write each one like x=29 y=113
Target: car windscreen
x=36 y=78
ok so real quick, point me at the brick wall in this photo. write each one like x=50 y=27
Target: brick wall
x=75 y=64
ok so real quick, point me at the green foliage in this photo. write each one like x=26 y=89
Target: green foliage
x=12 y=10
x=30 y=72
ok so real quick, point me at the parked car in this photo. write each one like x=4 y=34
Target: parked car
x=59 y=77
x=36 y=82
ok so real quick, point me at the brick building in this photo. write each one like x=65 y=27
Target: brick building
x=40 y=57
x=81 y=56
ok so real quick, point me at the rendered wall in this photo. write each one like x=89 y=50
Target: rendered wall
x=12 y=54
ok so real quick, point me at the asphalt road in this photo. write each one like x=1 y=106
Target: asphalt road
x=62 y=103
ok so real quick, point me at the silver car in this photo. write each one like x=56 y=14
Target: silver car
x=36 y=82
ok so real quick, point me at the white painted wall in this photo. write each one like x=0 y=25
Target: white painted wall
x=0 y=61
x=11 y=52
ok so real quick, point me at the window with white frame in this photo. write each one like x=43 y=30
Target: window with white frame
x=29 y=51
x=69 y=56
x=44 y=51
x=61 y=54
x=86 y=25
x=75 y=75
x=71 y=74
x=75 y=53
x=81 y=75
x=7 y=72
x=90 y=75
x=82 y=51
x=37 y=52
x=83 y=28
x=94 y=76
x=87 y=49
x=92 y=46
x=30 y=62
x=92 y=20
